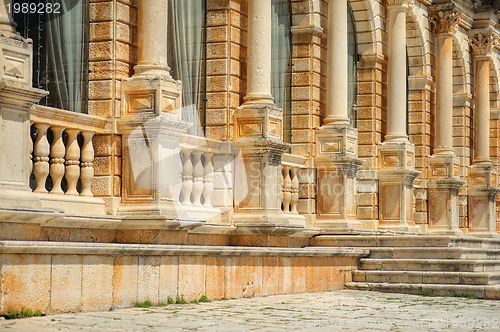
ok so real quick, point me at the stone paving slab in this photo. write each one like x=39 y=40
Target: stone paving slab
x=343 y=310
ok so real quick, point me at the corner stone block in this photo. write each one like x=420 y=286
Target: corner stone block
x=191 y=277
x=25 y=281
x=148 y=279
x=125 y=278
x=298 y=266
x=66 y=284
x=272 y=276
x=214 y=277
x=97 y=282
x=169 y=275
x=251 y=276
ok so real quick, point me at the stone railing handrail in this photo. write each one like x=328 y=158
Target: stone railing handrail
x=71 y=120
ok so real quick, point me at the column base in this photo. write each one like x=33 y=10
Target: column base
x=396 y=175
x=443 y=195
x=336 y=166
x=151 y=126
x=258 y=133
x=482 y=201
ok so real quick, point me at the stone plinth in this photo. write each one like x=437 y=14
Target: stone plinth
x=63 y=277
x=396 y=175
x=482 y=206
x=16 y=98
x=337 y=164
x=443 y=187
x=258 y=132
x=151 y=169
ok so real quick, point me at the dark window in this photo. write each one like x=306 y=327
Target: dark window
x=60 y=50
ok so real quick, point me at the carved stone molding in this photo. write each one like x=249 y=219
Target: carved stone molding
x=402 y=3
x=482 y=42
x=444 y=20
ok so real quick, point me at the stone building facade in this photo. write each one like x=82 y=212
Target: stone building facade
x=386 y=120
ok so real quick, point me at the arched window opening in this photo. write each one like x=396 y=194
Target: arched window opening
x=60 y=51
x=282 y=62
x=187 y=50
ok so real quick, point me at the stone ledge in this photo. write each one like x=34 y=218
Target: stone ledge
x=72 y=248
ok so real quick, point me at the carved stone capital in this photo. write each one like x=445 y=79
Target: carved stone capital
x=444 y=20
x=482 y=42
x=400 y=3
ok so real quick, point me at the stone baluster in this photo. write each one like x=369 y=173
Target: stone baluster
x=287 y=190
x=187 y=177
x=208 y=181
x=41 y=151
x=294 y=190
x=197 y=177
x=72 y=161
x=87 y=163
x=282 y=197
x=57 y=153
x=31 y=156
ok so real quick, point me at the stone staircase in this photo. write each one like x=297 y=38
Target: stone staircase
x=424 y=264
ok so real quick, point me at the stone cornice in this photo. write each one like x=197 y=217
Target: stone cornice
x=482 y=42
x=400 y=3
x=444 y=18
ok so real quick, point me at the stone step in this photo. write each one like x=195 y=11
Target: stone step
x=428 y=277
x=457 y=265
x=434 y=253
x=479 y=291
x=403 y=241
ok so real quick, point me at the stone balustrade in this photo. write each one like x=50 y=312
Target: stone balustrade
x=197 y=171
x=63 y=152
x=197 y=178
x=291 y=166
x=289 y=189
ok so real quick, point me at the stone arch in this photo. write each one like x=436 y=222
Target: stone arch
x=365 y=25
x=494 y=84
x=415 y=46
x=459 y=72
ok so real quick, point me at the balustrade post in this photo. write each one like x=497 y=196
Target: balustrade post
x=294 y=191
x=187 y=177
x=208 y=182
x=72 y=161
x=287 y=190
x=57 y=153
x=41 y=151
x=87 y=163
x=197 y=177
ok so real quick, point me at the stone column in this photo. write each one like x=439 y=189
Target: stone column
x=396 y=154
x=337 y=72
x=152 y=41
x=6 y=22
x=16 y=98
x=444 y=166
x=151 y=122
x=259 y=133
x=482 y=175
x=259 y=52
x=336 y=158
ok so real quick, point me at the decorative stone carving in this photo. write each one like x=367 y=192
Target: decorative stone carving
x=482 y=42
x=444 y=19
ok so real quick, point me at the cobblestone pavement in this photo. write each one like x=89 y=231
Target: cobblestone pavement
x=346 y=310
